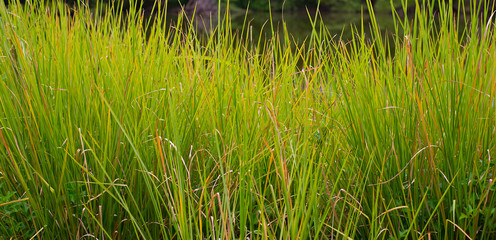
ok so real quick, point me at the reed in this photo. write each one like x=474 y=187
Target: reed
x=113 y=127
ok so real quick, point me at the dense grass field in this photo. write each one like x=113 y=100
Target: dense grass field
x=114 y=127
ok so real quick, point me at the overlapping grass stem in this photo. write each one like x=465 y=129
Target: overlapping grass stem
x=112 y=127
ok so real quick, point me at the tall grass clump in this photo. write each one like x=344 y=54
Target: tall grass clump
x=113 y=126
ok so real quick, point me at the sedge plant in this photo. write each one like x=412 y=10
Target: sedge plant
x=117 y=126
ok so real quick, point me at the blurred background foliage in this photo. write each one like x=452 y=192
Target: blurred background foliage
x=277 y=5
x=263 y=5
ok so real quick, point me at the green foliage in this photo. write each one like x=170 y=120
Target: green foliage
x=115 y=127
x=17 y=220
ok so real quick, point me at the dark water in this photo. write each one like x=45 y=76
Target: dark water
x=298 y=24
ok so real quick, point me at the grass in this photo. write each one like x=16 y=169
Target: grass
x=113 y=127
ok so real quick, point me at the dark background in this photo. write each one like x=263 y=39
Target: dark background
x=275 y=5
